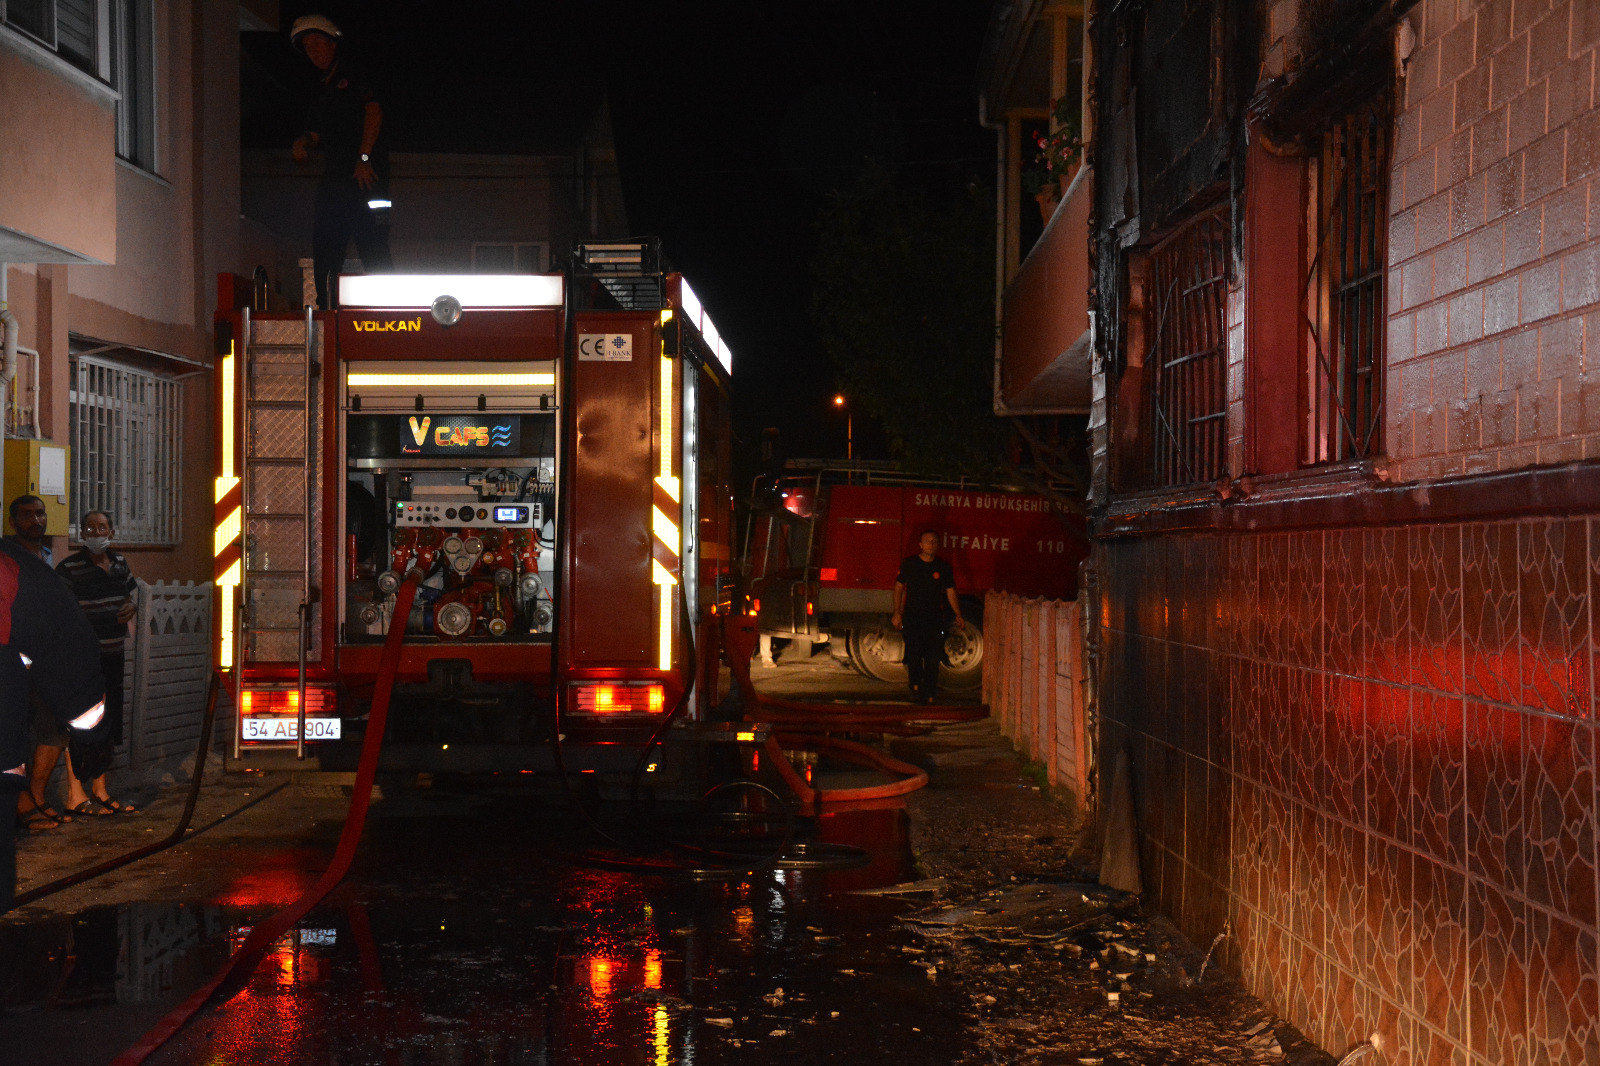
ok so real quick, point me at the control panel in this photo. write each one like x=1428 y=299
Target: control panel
x=485 y=515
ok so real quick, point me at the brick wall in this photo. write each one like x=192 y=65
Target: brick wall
x=1494 y=279
x=1371 y=753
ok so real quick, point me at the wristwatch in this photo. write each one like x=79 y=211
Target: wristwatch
x=365 y=158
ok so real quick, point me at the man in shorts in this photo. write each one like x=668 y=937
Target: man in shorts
x=45 y=644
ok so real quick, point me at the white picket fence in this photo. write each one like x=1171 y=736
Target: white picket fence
x=167 y=666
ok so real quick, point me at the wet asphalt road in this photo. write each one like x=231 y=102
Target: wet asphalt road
x=484 y=923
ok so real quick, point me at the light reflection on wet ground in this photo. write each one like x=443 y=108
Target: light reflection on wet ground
x=474 y=936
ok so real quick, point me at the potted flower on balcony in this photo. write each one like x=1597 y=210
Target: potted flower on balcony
x=1060 y=151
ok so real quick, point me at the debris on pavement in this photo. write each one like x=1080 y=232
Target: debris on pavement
x=1058 y=968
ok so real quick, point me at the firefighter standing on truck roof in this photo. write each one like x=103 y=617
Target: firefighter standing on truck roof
x=346 y=123
x=924 y=604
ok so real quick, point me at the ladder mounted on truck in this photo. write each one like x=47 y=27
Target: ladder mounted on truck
x=281 y=432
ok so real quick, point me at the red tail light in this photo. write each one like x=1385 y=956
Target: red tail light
x=619 y=699
x=279 y=701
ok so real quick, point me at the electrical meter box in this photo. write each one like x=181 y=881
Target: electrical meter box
x=38 y=468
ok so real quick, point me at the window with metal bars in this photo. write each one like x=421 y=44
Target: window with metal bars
x=1345 y=291
x=127 y=439
x=1188 y=359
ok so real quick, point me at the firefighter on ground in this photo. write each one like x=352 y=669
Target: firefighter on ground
x=346 y=124
x=925 y=605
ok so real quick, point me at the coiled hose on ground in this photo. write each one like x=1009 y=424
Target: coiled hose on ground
x=810 y=725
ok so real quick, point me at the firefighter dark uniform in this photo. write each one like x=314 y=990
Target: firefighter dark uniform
x=40 y=619
x=927 y=617
x=344 y=209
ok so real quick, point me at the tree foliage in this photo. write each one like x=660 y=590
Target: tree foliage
x=904 y=305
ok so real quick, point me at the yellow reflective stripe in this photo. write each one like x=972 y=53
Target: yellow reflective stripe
x=666 y=418
x=227 y=415
x=222 y=486
x=660 y=574
x=669 y=485
x=665 y=530
x=225 y=622
x=664 y=609
x=228 y=531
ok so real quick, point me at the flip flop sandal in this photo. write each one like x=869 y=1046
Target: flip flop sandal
x=114 y=806
x=87 y=809
x=37 y=821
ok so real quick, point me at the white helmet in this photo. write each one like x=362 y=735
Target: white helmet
x=313 y=24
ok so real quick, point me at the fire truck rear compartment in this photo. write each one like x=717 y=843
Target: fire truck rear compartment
x=482 y=535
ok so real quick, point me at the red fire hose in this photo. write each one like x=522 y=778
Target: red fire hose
x=267 y=932
x=816 y=720
x=852 y=752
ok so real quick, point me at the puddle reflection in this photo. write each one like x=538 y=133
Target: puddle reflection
x=569 y=966
x=135 y=954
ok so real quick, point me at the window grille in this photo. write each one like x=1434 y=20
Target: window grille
x=1345 y=291
x=127 y=439
x=1188 y=359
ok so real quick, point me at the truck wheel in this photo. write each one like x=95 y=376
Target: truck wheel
x=964 y=649
x=877 y=653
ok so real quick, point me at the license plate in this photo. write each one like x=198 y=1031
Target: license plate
x=289 y=729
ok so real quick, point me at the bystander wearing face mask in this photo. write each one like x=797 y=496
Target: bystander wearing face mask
x=97 y=545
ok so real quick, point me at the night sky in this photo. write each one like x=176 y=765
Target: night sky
x=735 y=122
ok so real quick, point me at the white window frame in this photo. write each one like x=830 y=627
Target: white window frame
x=98 y=64
x=534 y=253
x=127 y=450
x=135 y=94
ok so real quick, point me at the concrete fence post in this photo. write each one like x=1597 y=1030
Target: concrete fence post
x=1034 y=682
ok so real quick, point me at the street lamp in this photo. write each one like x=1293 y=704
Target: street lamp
x=849 y=437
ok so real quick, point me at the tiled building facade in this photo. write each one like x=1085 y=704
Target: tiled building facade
x=1357 y=690
x=1371 y=753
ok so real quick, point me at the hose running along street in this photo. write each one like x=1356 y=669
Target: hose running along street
x=266 y=932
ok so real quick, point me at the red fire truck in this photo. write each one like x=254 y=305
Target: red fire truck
x=550 y=453
x=825 y=542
